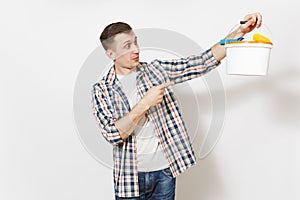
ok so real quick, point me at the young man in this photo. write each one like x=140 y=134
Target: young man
x=137 y=112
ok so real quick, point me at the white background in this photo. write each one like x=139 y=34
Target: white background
x=43 y=44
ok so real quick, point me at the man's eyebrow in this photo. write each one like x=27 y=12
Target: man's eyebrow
x=126 y=41
x=135 y=38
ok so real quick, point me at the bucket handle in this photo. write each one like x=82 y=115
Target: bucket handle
x=262 y=26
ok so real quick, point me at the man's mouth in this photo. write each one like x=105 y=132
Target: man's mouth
x=136 y=58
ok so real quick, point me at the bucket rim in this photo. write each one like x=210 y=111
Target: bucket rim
x=249 y=42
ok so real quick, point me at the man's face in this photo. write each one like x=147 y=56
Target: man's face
x=125 y=50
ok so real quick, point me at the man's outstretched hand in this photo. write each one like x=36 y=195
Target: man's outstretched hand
x=253 y=21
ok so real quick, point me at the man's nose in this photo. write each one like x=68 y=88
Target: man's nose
x=136 y=49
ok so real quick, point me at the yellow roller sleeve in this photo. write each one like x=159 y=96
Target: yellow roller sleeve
x=260 y=38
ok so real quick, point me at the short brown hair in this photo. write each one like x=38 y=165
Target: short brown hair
x=107 y=35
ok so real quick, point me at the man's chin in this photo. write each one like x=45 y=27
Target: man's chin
x=136 y=63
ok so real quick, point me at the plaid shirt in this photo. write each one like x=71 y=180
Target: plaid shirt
x=110 y=104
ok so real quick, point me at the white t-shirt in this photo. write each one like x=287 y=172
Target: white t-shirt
x=150 y=156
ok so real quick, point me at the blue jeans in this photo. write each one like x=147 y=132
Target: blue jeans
x=156 y=185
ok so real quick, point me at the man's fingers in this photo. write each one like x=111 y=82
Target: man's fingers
x=167 y=84
x=259 y=20
x=253 y=20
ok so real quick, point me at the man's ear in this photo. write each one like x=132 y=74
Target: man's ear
x=110 y=54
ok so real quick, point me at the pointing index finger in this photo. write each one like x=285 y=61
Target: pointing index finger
x=167 y=84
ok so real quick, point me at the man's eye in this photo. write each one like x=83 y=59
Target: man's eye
x=127 y=46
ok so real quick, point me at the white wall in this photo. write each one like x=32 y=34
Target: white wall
x=43 y=45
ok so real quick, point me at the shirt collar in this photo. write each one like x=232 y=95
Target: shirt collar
x=111 y=77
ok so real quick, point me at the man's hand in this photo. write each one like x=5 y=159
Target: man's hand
x=253 y=21
x=155 y=94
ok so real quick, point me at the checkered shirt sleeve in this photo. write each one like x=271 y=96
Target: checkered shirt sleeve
x=184 y=69
x=104 y=115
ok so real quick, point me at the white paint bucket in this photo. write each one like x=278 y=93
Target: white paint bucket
x=248 y=58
